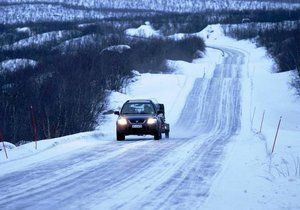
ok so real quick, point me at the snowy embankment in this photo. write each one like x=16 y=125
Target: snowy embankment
x=253 y=177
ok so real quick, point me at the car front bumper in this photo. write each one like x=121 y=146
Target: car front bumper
x=141 y=129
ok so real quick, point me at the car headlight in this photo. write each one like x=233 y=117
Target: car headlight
x=151 y=121
x=122 y=121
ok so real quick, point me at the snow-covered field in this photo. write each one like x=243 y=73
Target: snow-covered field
x=215 y=158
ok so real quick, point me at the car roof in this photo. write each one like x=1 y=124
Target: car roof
x=139 y=101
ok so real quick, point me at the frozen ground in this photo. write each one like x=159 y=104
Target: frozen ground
x=215 y=159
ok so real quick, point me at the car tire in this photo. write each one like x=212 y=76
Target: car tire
x=157 y=136
x=167 y=134
x=120 y=137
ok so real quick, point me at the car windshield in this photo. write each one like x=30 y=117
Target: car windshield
x=138 y=108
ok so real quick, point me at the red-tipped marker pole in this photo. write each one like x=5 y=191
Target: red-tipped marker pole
x=252 y=117
x=276 y=134
x=262 y=121
x=1 y=140
x=34 y=126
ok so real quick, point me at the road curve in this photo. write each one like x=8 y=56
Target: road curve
x=174 y=173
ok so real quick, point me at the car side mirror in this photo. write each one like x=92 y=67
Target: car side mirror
x=116 y=112
x=160 y=112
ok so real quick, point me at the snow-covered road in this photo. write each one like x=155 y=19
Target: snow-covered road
x=173 y=173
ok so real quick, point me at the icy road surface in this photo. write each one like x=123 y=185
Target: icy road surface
x=173 y=173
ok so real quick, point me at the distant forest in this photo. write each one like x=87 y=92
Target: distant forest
x=66 y=91
x=282 y=42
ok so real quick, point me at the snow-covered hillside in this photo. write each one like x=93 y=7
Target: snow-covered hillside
x=43 y=12
x=40 y=40
x=146 y=31
x=76 y=43
x=178 y=6
x=15 y=64
x=21 y=11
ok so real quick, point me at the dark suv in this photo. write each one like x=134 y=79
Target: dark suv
x=142 y=117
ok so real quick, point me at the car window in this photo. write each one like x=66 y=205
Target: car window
x=137 y=108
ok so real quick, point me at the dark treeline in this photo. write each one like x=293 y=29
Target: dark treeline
x=150 y=56
x=167 y=22
x=67 y=93
x=282 y=43
x=284 y=46
x=170 y=23
x=68 y=90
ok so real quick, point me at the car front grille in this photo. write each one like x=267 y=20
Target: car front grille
x=137 y=120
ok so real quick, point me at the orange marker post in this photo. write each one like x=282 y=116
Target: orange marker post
x=262 y=121
x=276 y=134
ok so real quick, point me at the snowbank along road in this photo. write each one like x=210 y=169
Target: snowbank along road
x=173 y=173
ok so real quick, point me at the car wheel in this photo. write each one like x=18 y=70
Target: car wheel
x=157 y=136
x=167 y=134
x=120 y=136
